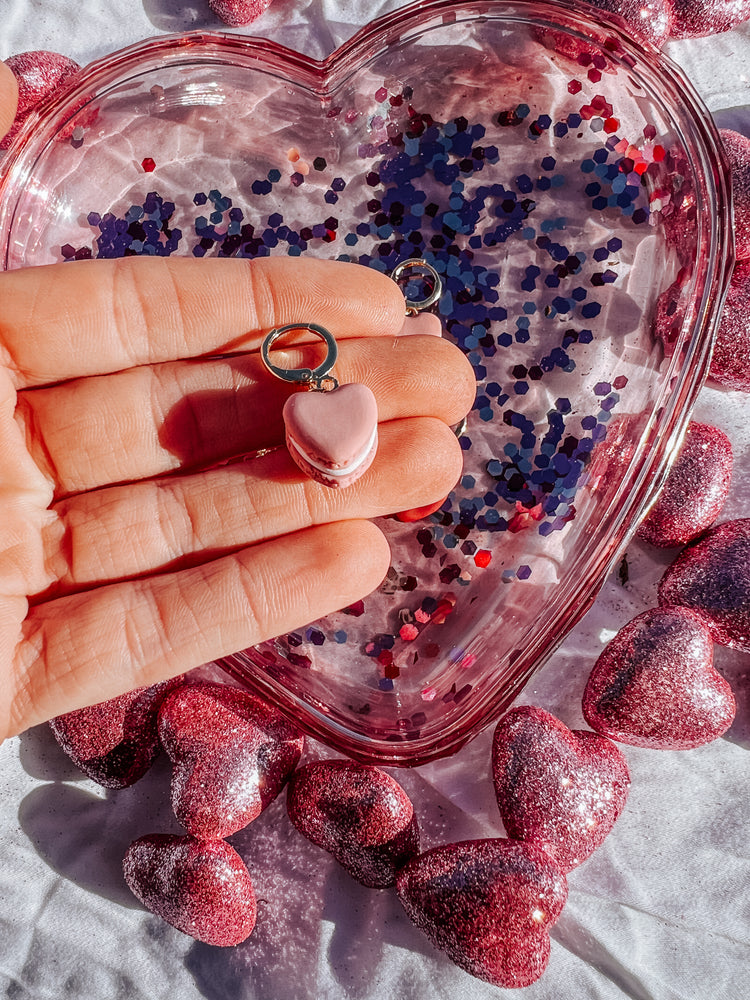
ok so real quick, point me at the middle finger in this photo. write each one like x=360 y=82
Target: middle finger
x=155 y=419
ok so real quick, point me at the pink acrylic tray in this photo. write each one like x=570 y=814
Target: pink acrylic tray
x=569 y=188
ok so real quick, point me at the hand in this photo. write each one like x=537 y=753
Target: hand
x=134 y=543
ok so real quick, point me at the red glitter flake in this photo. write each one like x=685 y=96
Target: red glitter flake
x=148 y=165
x=408 y=632
x=611 y=125
x=574 y=87
x=658 y=153
x=594 y=75
x=385 y=658
x=483 y=558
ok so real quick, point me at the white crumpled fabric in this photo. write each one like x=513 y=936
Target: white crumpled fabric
x=660 y=912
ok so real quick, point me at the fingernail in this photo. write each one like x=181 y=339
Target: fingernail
x=423 y=323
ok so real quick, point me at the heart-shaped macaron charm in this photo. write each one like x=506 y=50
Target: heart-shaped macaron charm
x=333 y=436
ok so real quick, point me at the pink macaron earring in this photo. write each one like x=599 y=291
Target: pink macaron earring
x=415 y=277
x=332 y=430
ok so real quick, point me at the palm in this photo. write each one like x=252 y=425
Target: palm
x=132 y=547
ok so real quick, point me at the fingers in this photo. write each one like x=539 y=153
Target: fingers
x=86 y=648
x=61 y=321
x=8 y=98
x=166 y=524
x=192 y=414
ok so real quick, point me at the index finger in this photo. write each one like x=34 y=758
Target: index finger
x=61 y=321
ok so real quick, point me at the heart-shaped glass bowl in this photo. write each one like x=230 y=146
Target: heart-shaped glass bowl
x=569 y=188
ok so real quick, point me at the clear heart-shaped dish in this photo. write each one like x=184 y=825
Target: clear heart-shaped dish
x=567 y=185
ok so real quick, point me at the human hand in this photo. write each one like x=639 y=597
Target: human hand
x=133 y=543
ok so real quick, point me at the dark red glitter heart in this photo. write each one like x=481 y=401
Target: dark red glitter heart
x=488 y=904
x=695 y=18
x=232 y=755
x=655 y=685
x=39 y=74
x=559 y=787
x=695 y=490
x=114 y=742
x=200 y=887
x=712 y=576
x=730 y=362
x=358 y=813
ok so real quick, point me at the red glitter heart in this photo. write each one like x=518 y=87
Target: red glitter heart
x=561 y=788
x=488 y=904
x=655 y=686
x=39 y=74
x=238 y=12
x=712 y=576
x=737 y=148
x=200 y=887
x=695 y=490
x=114 y=742
x=359 y=814
x=232 y=755
x=730 y=362
x=696 y=18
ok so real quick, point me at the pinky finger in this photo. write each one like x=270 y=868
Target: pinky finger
x=89 y=647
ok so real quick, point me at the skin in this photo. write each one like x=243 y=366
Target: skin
x=141 y=533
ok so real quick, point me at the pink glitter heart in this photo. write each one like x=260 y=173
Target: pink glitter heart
x=561 y=788
x=358 y=813
x=488 y=904
x=695 y=490
x=201 y=888
x=655 y=686
x=712 y=576
x=232 y=755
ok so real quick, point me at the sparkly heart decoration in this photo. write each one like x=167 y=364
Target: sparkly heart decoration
x=573 y=201
x=559 y=787
x=712 y=576
x=200 y=887
x=695 y=490
x=231 y=756
x=488 y=904
x=655 y=685
x=359 y=814
x=116 y=741
x=333 y=436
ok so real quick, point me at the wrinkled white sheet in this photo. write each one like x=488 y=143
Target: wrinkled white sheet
x=660 y=912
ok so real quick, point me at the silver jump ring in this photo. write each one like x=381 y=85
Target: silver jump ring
x=426 y=271
x=317 y=378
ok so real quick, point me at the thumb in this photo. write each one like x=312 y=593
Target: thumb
x=8 y=98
